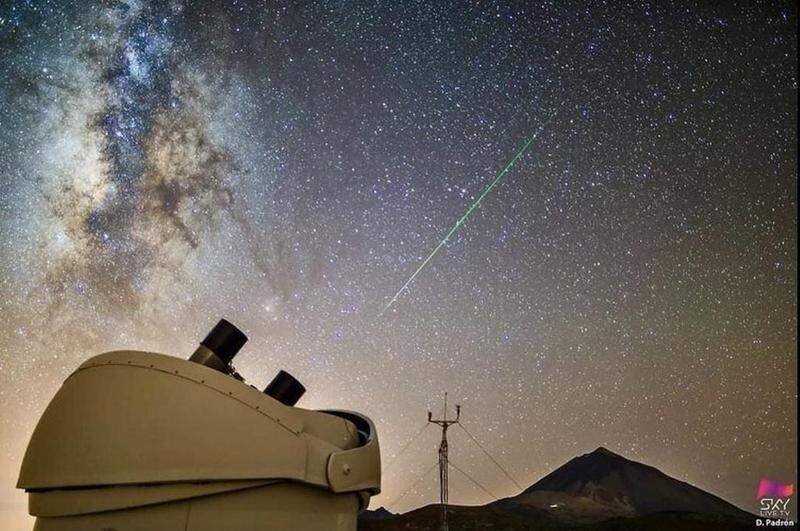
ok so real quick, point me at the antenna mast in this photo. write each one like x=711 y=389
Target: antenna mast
x=443 y=461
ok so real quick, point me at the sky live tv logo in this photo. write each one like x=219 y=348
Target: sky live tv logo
x=773 y=498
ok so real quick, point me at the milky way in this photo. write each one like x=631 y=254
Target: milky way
x=288 y=167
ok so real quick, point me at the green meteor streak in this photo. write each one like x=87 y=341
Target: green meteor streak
x=466 y=215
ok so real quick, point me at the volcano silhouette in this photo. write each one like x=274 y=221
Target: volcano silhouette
x=602 y=484
x=598 y=490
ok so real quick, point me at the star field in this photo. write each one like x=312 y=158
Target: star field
x=630 y=284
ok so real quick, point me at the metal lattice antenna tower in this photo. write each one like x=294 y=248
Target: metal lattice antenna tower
x=443 y=462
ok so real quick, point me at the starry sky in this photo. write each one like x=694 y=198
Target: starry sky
x=631 y=283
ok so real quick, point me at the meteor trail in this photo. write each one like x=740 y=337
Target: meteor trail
x=466 y=215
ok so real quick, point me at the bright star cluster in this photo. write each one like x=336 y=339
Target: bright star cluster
x=631 y=283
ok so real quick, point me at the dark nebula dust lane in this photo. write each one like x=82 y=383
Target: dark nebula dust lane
x=631 y=283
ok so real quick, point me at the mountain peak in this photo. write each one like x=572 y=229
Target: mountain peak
x=602 y=450
x=608 y=458
x=617 y=482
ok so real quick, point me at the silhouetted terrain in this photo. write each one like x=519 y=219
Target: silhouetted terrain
x=600 y=490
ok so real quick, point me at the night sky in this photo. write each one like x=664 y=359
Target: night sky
x=631 y=282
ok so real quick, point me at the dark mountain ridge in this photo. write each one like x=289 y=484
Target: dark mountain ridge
x=597 y=490
x=628 y=486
